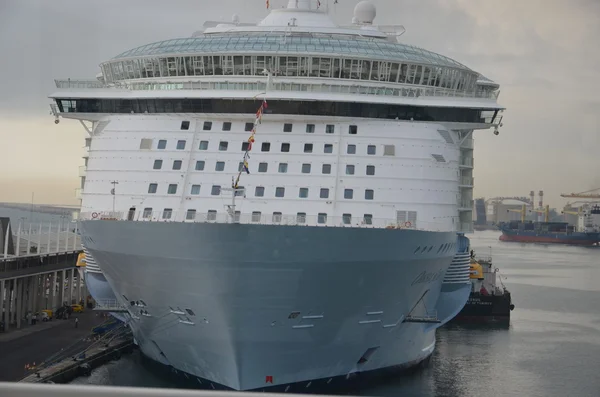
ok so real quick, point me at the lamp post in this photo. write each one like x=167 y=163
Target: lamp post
x=114 y=194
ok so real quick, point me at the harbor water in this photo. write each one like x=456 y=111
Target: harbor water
x=552 y=347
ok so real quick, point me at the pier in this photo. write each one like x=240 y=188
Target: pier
x=38 y=270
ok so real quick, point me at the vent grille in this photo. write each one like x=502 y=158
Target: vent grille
x=446 y=135
x=439 y=158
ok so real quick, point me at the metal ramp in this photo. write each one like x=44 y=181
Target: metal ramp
x=109 y=305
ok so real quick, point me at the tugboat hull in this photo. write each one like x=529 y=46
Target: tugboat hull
x=486 y=309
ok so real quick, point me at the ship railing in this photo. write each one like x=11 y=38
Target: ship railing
x=78 y=84
x=257 y=218
x=397 y=90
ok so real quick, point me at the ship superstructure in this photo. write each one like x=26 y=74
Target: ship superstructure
x=281 y=204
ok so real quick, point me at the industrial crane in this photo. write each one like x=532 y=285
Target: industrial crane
x=585 y=195
x=523 y=212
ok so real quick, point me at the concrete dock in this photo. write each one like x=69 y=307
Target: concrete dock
x=36 y=343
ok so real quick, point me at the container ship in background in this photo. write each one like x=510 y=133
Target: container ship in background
x=337 y=249
x=585 y=233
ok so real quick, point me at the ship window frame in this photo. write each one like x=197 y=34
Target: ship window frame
x=223 y=146
x=207 y=126
x=211 y=215
x=282 y=168
x=181 y=144
x=248 y=127
x=190 y=214
x=200 y=164
x=328 y=148
x=152 y=188
x=220 y=166
x=347 y=219
x=310 y=128
x=330 y=128
x=350 y=169
x=288 y=127
x=306 y=168
x=324 y=193
x=276 y=217
x=259 y=191
x=325 y=167
x=303 y=193
x=351 y=148
x=371 y=150
x=369 y=194
x=265 y=147
x=167 y=213
x=348 y=194
x=353 y=129
x=256 y=216
x=226 y=126
x=203 y=145
x=195 y=190
x=368 y=219
x=262 y=169
x=322 y=218
x=185 y=125
x=162 y=144
x=245 y=146
x=172 y=188
x=215 y=190
x=285 y=147
x=280 y=191
x=177 y=164
x=147 y=213
x=301 y=218
x=308 y=148
x=370 y=170
x=158 y=163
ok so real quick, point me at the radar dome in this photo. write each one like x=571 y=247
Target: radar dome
x=365 y=12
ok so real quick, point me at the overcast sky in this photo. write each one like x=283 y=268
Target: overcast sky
x=544 y=54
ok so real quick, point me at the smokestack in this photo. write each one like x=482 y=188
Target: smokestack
x=532 y=199
x=541 y=194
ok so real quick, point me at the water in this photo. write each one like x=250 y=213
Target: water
x=552 y=347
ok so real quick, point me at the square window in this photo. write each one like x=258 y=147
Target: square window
x=371 y=149
x=303 y=193
x=152 y=187
x=352 y=130
x=329 y=129
x=203 y=145
x=283 y=167
x=349 y=169
x=215 y=190
x=287 y=128
x=147 y=213
x=328 y=148
x=324 y=193
x=190 y=215
x=167 y=213
x=172 y=188
x=346 y=219
x=259 y=191
x=220 y=166
x=368 y=219
x=276 y=217
x=256 y=216
x=285 y=147
x=180 y=145
x=200 y=165
x=227 y=126
x=195 y=190
x=370 y=170
x=249 y=127
x=326 y=169
x=162 y=144
x=223 y=146
x=306 y=168
x=369 y=194
x=177 y=164
x=348 y=194
x=389 y=150
x=308 y=148
x=157 y=164
x=322 y=218
x=279 y=192
x=310 y=128
x=207 y=126
x=266 y=146
x=262 y=167
x=245 y=146
x=146 y=143
x=212 y=215
x=351 y=149
x=185 y=125
x=301 y=217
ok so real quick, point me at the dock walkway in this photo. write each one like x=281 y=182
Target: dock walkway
x=32 y=344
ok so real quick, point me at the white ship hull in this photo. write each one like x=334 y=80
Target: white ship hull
x=278 y=305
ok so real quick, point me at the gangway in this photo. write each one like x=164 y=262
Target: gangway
x=109 y=305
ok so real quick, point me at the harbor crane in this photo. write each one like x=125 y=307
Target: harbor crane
x=584 y=195
x=523 y=212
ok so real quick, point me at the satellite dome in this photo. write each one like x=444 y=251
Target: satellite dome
x=365 y=12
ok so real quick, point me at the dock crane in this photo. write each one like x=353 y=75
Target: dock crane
x=523 y=212
x=584 y=195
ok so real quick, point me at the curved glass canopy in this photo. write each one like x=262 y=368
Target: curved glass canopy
x=271 y=42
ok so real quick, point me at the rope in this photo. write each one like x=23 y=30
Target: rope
x=250 y=141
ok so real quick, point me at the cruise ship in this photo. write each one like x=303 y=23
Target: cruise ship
x=280 y=206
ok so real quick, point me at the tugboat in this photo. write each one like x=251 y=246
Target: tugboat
x=488 y=302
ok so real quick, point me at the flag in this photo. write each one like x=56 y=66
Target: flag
x=269 y=379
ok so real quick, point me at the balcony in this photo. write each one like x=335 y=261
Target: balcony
x=466 y=181
x=467 y=144
x=466 y=162
x=465 y=205
x=82 y=170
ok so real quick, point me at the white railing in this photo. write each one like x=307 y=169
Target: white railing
x=395 y=91
x=40 y=238
x=265 y=219
x=69 y=83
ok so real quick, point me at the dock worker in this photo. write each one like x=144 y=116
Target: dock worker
x=76 y=322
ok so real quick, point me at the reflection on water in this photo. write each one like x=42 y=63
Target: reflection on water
x=552 y=347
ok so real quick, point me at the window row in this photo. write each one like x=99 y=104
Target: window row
x=283 y=107
x=282 y=168
x=257 y=216
x=259 y=191
x=388 y=150
x=290 y=66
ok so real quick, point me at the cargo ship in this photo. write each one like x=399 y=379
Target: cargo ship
x=551 y=232
x=488 y=303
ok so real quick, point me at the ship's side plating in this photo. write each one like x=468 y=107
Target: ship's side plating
x=247 y=305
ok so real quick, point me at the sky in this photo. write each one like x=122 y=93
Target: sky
x=543 y=53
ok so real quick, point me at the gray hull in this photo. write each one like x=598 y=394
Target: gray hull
x=274 y=305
